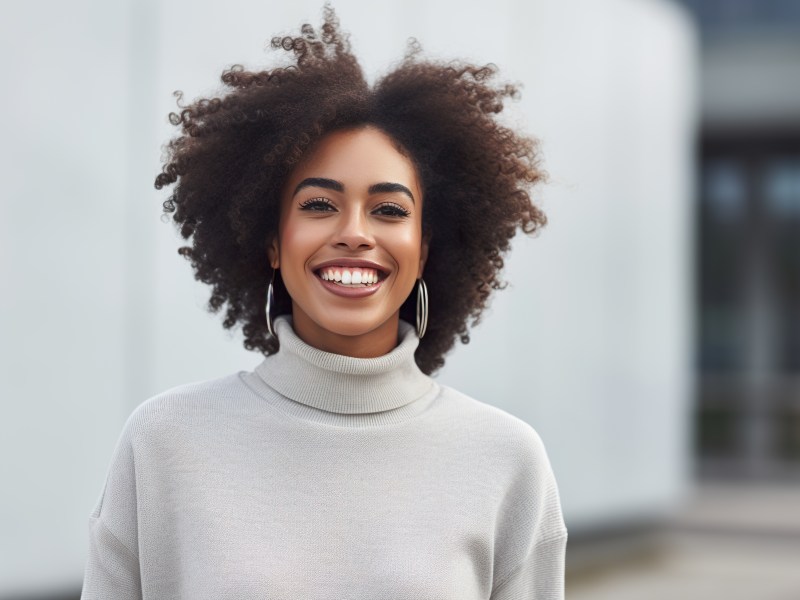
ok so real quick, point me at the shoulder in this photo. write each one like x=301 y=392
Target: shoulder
x=506 y=448
x=514 y=457
x=506 y=433
x=187 y=405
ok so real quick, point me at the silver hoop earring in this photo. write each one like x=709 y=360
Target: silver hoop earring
x=270 y=304
x=422 y=307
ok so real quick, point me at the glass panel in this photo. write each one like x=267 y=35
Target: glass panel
x=780 y=190
x=724 y=190
x=722 y=346
x=787 y=426
x=718 y=432
x=723 y=231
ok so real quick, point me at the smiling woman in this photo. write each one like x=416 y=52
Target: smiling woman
x=318 y=207
x=238 y=151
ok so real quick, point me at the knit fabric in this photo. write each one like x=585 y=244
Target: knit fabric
x=320 y=476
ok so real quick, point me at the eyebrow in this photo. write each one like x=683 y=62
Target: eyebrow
x=337 y=186
x=329 y=184
x=386 y=188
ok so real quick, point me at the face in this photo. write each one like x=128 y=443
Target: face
x=350 y=245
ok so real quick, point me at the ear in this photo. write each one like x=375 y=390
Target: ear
x=273 y=253
x=423 y=255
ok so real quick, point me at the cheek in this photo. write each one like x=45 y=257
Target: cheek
x=406 y=248
x=296 y=242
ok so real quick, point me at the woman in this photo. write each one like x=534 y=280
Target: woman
x=328 y=216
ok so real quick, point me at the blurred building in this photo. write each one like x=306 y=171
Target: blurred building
x=749 y=239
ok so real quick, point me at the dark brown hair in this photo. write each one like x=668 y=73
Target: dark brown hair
x=235 y=152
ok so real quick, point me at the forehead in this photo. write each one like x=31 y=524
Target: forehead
x=358 y=158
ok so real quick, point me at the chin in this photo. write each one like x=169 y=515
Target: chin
x=352 y=326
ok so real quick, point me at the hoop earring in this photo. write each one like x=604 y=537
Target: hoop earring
x=270 y=304
x=422 y=307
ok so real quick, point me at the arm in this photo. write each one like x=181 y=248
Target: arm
x=539 y=577
x=531 y=535
x=112 y=568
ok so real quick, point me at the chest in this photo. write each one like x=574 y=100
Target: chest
x=317 y=521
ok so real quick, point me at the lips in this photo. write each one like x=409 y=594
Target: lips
x=351 y=278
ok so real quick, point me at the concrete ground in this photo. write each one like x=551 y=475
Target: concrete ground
x=729 y=542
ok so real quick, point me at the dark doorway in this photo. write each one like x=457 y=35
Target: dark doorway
x=749 y=305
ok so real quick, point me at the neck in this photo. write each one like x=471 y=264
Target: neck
x=377 y=342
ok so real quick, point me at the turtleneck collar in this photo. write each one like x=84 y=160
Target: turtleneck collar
x=342 y=384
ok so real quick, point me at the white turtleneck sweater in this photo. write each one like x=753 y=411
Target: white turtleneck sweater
x=320 y=476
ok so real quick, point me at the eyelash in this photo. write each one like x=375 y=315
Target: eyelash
x=312 y=202
x=323 y=204
x=395 y=209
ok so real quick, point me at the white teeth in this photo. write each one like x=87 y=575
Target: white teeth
x=350 y=276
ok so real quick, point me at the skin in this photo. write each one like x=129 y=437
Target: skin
x=361 y=219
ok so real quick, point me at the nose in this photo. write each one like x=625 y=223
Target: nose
x=354 y=231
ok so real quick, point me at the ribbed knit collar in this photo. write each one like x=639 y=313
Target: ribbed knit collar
x=343 y=384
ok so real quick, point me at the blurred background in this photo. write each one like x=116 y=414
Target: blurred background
x=650 y=333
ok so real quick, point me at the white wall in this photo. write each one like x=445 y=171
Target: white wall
x=594 y=336
x=590 y=344
x=64 y=169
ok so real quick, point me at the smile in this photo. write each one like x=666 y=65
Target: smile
x=350 y=275
x=350 y=282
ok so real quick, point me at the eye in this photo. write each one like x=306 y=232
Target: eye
x=317 y=205
x=390 y=209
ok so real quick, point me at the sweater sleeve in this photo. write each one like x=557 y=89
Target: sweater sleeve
x=112 y=567
x=539 y=577
x=532 y=537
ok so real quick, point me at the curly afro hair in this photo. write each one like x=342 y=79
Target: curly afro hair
x=235 y=152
